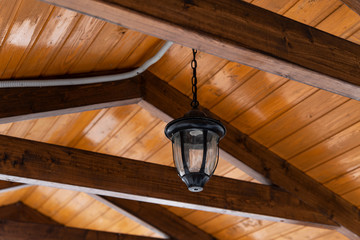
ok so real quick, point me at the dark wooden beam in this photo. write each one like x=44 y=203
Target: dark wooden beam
x=240 y=147
x=353 y=4
x=10 y=186
x=16 y=230
x=56 y=166
x=19 y=104
x=21 y=212
x=240 y=32
x=161 y=218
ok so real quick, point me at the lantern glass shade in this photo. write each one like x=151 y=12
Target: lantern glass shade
x=195 y=140
x=195 y=150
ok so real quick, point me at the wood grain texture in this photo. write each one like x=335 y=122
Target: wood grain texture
x=45 y=164
x=255 y=156
x=353 y=4
x=21 y=212
x=20 y=104
x=161 y=218
x=284 y=47
x=17 y=230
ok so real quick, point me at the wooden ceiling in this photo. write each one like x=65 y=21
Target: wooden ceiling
x=314 y=130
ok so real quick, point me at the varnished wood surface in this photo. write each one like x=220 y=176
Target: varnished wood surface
x=21 y=104
x=130 y=179
x=20 y=212
x=32 y=231
x=159 y=217
x=353 y=4
x=286 y=48
x=113 y=47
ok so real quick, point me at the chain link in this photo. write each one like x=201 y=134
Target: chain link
x=194 y=103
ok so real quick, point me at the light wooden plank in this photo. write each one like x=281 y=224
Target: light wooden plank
x=299 y=116
x=29 y=22
x=75 y=46
x=160 y=218
x=323 y=61
x=55 y=32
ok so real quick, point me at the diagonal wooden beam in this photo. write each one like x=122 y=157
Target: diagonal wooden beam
x=17 y=230
x=152 y=216
x=241 y=150
x=19 y=104
x=20 y=222
x=353 y=4
x=159 y=217
x=10 y=186
x=240 y=32
x=21 y=212
x=38 y=163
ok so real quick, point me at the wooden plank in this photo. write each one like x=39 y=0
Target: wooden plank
x=259 y=160
x=20 y=104
x=17 y=230
x=240 y=32
x=50 y=165
x=160 y=218
x=25 y=29
x=353 y=4
x=112 y=204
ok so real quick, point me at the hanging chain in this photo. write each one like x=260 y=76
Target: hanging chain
x=194 y=103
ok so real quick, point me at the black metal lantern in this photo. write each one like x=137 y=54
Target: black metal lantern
x=195 y=139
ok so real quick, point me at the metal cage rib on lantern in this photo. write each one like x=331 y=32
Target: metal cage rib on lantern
x=195 y=138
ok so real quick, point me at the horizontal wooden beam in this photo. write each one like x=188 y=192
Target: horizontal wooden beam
x=161 y=218
x=16 y=230
x=38 y=163
x=241 y=150
x=19 y=104
x=240 y=32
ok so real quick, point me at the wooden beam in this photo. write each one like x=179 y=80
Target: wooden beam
x=19 y=104
x=240 y=32
x=159 y=217
x=131 y=216
x=10 y=186
x=353 y=4
x=16 y=230
x=56 y=166
x=21 y=212
x=240 y=147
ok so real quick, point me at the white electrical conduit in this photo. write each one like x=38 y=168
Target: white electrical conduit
x=87 y=80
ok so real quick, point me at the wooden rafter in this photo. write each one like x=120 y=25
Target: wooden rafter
x=20 y=222
x=255 y=159
x=24 y=103
x=240 y=32
x=10 y=186
x=152 y=216
x=240 y=147
x=21 y=212
x=159 y=217
x=17 y=230
x=353 y=4
x=56 y=166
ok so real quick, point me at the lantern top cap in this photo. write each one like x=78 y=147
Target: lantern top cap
x=195 y=119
